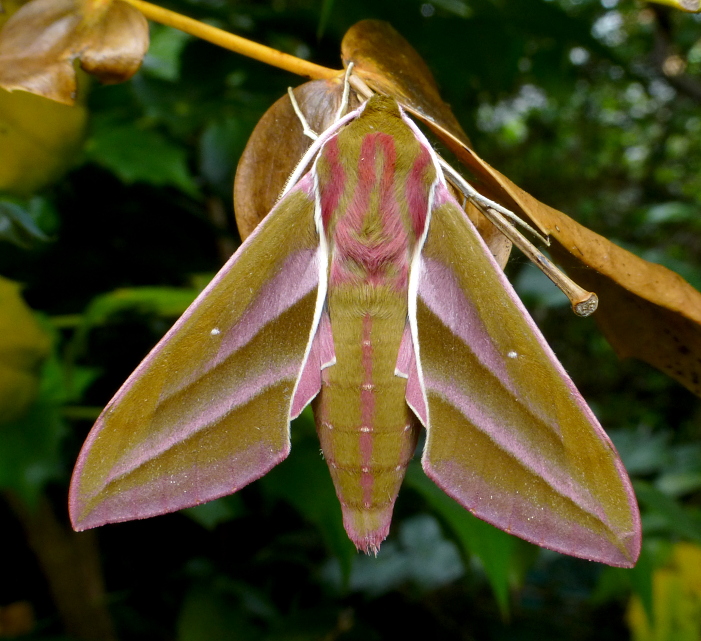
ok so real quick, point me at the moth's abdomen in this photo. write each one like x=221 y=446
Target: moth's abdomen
x=367 y=431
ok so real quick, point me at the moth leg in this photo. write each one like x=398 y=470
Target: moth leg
x=471 y=194
x=306 y=129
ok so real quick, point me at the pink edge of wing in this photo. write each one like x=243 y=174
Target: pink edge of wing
x=546 y=530
x=406 y=368
x=211 y=481
x=439 y=289
x=125 y=505
x=321 y=355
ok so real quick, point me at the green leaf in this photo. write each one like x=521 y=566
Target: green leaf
x=641 y=580
x=165 y=48
x=30 y=455
x=670 y=515
x=211 y=514
x=303 y=481
x=420 y=555
x=671 y=212
x=457 y=7
x=136 y=154
x=209 y=614
x=221 y=145
x=616 y=583
x=18 y=223
x=166 y=302
x=324 y=15
x=495 y=549
x=23 y=346
x=642 y=452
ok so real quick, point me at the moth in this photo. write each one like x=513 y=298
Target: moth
x=367 y=292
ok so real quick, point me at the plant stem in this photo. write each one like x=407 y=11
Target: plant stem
x=234 y=43
x=71 y=564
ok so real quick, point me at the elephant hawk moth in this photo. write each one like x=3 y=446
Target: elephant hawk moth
x=368 y=293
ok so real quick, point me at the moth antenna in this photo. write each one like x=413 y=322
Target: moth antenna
x=313 y=149
x=583 y=302
x=306 y=129
x=346 y=92
x=360 y=87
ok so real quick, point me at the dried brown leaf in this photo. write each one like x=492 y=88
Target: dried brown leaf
x=39 y=44
x=391 y=66
x=276 y=146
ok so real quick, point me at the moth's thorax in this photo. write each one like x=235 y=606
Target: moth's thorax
x=374 y=182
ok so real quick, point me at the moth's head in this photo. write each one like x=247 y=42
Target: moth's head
x=379 y=104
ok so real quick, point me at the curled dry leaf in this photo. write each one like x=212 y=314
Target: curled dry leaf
x=646 y=311
x=276 y=145
x=40 y=42
x=390 y=65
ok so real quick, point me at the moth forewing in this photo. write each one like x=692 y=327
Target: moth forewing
x=207 y=411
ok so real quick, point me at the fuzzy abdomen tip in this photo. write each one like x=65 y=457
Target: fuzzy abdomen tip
x=367 y=528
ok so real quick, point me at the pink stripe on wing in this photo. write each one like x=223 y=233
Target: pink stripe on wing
x=510 y=439
x=440 y=290
x=195 y=419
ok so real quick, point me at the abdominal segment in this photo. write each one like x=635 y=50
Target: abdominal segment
x=367 y=431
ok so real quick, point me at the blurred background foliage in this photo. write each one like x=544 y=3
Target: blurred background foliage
x=594 y=106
